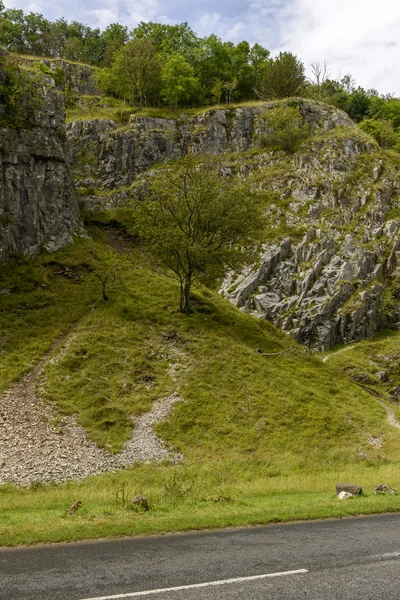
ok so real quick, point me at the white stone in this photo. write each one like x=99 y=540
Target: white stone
x=345 y=496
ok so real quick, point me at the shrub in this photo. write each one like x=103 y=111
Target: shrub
x=284 y=129
x=383 y=132
x=20 y=95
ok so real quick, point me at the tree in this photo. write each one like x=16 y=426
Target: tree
x=283 y=77
x=168 y=39
x=320 y=72
x=108 y=271
x=179 y=82
x=197 y=224
x=114 y=37
x=136 y=73
x=73 y=49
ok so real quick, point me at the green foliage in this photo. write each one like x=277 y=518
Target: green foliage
x=135 y=74
x=179 y=82
x=168 y=39
x=197 y=223
x=21 y=94
x=387 y=108
x=283 y=77
x=222 y=70
x=285 y=128
x=391 y=298
x=115 y=37
x=108 y=270
x=382 y=131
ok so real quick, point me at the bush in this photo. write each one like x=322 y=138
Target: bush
x=382 y=131
x=21 y=93
x=283 y=77
x=284 y=129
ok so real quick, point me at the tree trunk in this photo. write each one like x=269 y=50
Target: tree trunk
x=185 y=291
x=104 y=283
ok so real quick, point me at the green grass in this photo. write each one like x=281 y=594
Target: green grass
x=374 y=362
x=264 y=431
x=180 y=498
x=120 y=359
x=120 y=356
x=53 y=59
x=39 y=300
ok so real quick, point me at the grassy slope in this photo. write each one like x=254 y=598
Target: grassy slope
x=272 y=433
x=285 y=409
x=374 y=364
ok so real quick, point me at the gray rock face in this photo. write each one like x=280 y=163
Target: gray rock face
x=38 y=208
x=334 y=237
x=328 y=287
x=384 y=489
x=78 y=78
x=140 y=502
x=121 y=154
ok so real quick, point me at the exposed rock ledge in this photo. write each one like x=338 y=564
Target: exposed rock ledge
x=107 y=156
x=38 y=208
x=334 y=237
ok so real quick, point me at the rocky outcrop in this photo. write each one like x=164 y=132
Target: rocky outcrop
x=330 y=286
x=71 y=77
x=333 y=239
x=108 y=157
x=38 y=208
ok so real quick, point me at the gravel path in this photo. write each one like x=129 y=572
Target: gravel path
x=35 y=447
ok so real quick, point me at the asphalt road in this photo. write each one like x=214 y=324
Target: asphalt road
x=357 y=558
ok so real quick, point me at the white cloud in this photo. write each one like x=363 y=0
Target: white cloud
x=103 y=17
x=356 y=36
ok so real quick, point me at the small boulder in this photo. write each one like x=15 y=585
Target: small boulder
x=384 y=489
x=140 y=502
x=345 y=496
x=355 y=490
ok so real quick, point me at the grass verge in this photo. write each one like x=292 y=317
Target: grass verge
x=181 y=499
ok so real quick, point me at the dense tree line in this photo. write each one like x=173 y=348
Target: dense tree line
x=157 y=64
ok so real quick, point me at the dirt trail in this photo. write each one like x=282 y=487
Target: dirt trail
x=326 y=358
x=34 y=447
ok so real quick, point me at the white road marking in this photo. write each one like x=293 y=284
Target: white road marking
x=387 y=555
x=198 y=585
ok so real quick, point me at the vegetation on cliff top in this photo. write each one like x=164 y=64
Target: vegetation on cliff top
x=169 y=65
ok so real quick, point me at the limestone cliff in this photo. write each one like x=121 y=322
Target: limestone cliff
x=70 y=77
x=107 y=156
x=38 y=208
x=331 y=249
x=333 y=244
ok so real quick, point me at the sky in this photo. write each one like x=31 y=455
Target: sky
x=361 y=37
